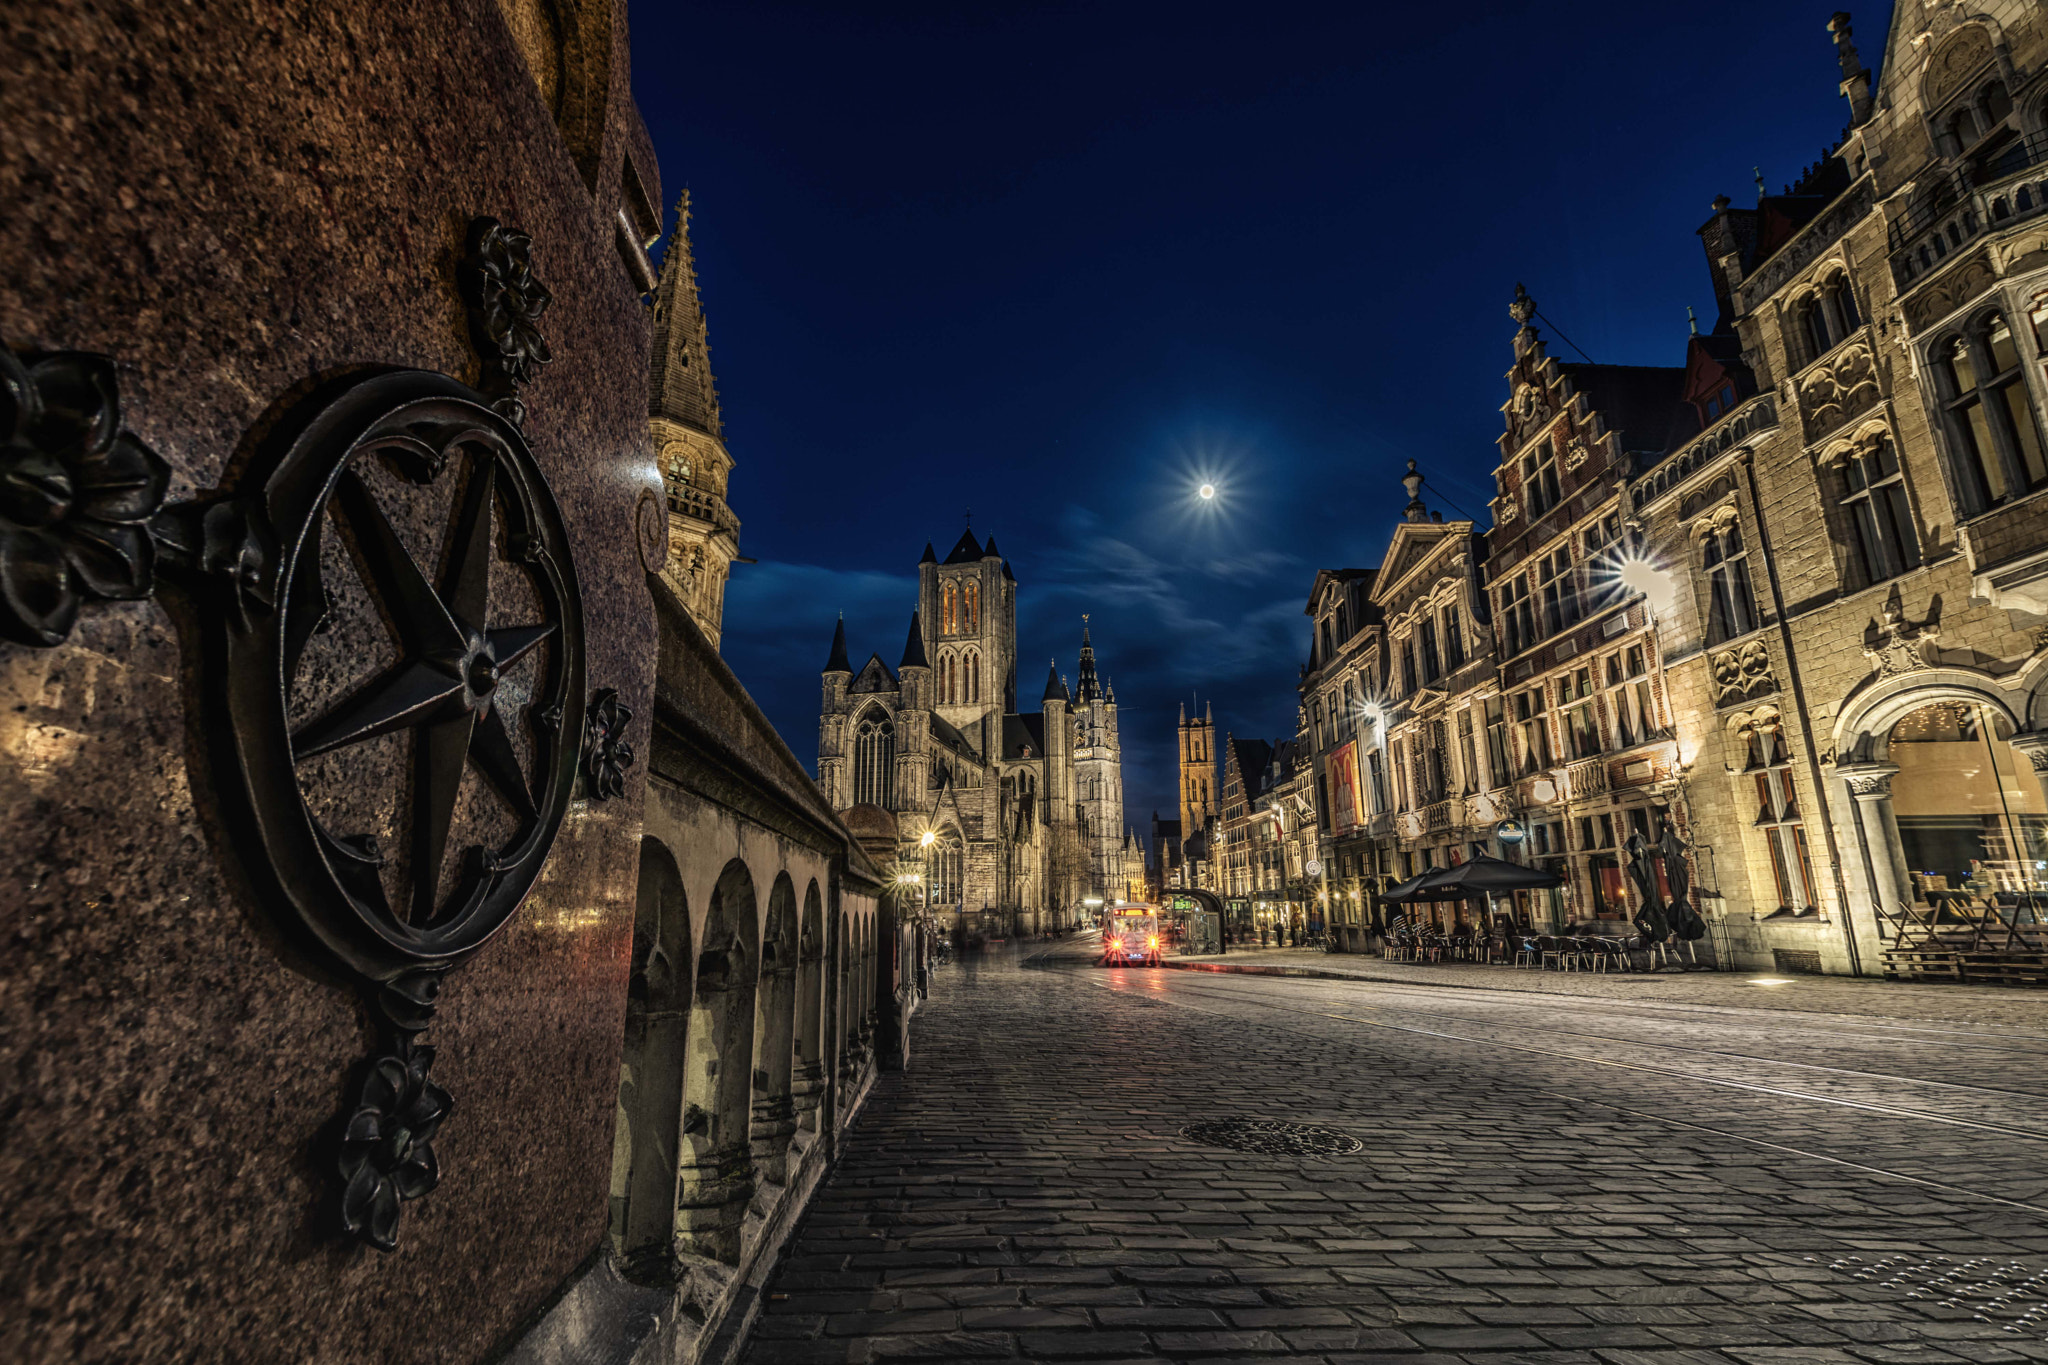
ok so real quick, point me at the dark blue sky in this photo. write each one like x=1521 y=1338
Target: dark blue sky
x=1052 y=261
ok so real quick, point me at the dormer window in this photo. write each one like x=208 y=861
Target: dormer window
x=1720 y=401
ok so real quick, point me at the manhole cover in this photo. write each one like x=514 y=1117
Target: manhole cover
x=1271 y=1137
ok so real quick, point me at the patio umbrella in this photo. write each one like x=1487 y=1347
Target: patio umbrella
x=1650 y=919
x=1685 y=920
x=1484 y=876
x=1402 y=892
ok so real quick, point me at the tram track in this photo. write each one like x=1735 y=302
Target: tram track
x=1717 y=1052
x=1899 y=1112
x=1183 y=988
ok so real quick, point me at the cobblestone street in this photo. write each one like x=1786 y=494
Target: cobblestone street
x=1560 y=1178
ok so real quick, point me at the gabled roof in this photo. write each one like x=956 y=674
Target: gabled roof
x=967 y=551
x=875 y=676
x=1413 y=542
x=1325 y=577
x=949 y=735
x=1251 y=757
x=1022 y=732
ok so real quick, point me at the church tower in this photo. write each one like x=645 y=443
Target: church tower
x=1198 y=801
x=968 y=603
x=689 y=439
x=1098 y=774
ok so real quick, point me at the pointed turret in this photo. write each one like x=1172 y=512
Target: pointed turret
x=990 y=551
x=1055 y=690
x=683 y=391
x=913 y=648
x=930 y=555
x=837 y=661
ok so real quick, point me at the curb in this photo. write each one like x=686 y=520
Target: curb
x=1266 y=969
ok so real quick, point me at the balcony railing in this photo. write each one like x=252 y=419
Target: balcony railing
x=2008 y=186
x=1587 y=779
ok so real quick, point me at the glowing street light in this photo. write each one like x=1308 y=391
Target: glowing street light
x=927 y=839
x=1638 y=573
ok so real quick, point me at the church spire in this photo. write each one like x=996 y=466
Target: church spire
x=1089 y=689
x=838 y=662
x=913 y=648
x=683 y=391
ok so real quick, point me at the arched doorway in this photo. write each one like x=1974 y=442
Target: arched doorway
x=717 y=1169
x=774 y=1030
x=808 y=1081
x=646 y=1137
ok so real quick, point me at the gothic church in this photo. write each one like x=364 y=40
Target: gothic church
x=1025 y=809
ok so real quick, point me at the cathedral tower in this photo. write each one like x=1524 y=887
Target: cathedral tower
x=689 y=439
x=1197 y=774
x=1098 y=774
x=968 y=603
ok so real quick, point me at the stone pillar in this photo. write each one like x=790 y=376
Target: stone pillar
x=1871 y=786
x=774 y=1124
x=713 y=1193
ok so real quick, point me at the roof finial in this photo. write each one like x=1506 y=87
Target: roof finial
x=1415 y=511
x=1855 y=79
x=1692 y=319
x=1524 y=307
x=970 y=518
x=1758 y=171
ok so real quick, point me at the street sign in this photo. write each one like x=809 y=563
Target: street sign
x=1314 y=867
x=1510 y=832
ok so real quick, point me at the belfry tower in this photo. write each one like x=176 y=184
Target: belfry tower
x=1198 y=801
x=689 y=439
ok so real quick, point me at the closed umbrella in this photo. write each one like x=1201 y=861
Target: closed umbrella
x=1650 y=919
x=1685 y=920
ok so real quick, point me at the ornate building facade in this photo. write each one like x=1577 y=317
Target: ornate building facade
x=1024 y=810
x=1786 y=598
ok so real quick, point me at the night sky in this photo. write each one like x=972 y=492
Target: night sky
x=1058 y=263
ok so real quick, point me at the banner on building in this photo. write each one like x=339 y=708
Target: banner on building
x=1346 y=808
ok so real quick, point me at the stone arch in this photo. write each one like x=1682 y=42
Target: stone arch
x=808 y=1080
x=717 y=1169
x=648 y=1131
x=1863 y=731
x=842 y=1018
x=774 y=1030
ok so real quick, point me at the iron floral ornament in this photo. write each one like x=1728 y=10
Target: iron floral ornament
x=387 y=1154
x=76 y=496
x=606 y=754
x=505 y=301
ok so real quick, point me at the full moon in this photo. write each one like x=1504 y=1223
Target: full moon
x=1208 y=490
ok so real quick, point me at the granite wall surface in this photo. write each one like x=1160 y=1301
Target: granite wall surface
x=235 y=202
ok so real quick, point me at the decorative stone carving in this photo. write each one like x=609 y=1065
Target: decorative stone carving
x=1958 y=58
x=1899 y=646
x=1523 y=308
x=2035 y=747
x=1575 y=452
x=1505 y=509
x=1742 y=673
x=1949 y=292
x=505 y=300
x=76 y=495
x=1839 y=390
x=1868 y=781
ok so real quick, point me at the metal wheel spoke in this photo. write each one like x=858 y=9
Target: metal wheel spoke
x=441 y=753
x=394 y=700
x=509 y=644
x=491 y=748
x=467 y=593
x=423 y=623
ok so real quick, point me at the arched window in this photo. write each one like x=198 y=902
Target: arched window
x=1990 y=419
x=974 y=676
x=949 y=608
x=1962 y=129
x=1343 y=623
x=1813 y=329
x=1874 y=494
x=972 y=596
x=1843 y=316
x=1969 y=809
x=1731 y=607
x=1995 y=102
x=874 y=761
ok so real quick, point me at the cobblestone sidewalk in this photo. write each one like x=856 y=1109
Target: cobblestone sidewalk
x=1024 y=1193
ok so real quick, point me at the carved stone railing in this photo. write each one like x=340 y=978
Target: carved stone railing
x=707 y=507
x=1587 y=778
x=1436 y=816
x=1757 y=415
x=1950 y=212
